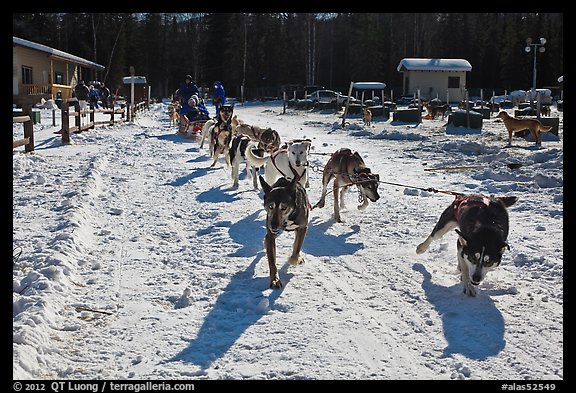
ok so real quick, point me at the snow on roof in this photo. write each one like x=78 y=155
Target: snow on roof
x=369 y=85
x=137 y=80
x=418 y=64
x=56 y=52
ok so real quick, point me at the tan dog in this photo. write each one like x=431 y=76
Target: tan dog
x=533 y=125
x=434 y=110
x=366 y=115
x=269 y=139
x=348 y=168
x=173 y=113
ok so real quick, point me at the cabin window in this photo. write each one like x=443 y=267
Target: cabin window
x=58 y=78
x=27 y=75
x=453 y=82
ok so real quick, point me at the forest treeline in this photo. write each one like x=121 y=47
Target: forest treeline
x=263 y=51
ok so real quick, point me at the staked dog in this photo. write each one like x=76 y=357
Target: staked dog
x=290 y=162
x=434 y=110
x=366 y=116
x=286 y=206
x=237 y=154
x=513 y=124
x=348 y=168
x=482 y=235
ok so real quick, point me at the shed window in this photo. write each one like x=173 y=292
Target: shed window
x=27 y=75
x=453 y=82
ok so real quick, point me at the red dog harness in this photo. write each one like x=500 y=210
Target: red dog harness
x=463 y=201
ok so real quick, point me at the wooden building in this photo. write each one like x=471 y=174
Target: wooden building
x=442 y=78
x=39 y=71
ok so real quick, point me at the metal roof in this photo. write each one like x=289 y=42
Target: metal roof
x=421 y=64
x=369 y=85
x=56 y=53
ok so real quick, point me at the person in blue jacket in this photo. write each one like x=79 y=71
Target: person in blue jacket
x=93 y=96
x=185 y=91
x=218 y=97
x=198 y=110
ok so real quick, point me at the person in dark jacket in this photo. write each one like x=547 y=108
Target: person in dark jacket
x=218 y=97
x=105 y=95
x=198 y=111
x=82 y=92
x=185 y=91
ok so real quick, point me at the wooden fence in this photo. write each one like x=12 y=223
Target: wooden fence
x=139 y=107
x=26 y=119
x=77 y=114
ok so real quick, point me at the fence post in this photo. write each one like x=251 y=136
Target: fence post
x=65 y=122
x=112 y=117
x=91 y=115
x=28 y=128
x=77 y=120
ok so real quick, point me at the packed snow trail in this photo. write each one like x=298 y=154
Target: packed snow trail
x=165 y=275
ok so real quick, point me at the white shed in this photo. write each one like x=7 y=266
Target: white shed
x=442 y=78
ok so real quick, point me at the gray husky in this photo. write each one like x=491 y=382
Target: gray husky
x=483 y=231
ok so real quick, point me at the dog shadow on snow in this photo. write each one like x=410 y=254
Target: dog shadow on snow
x=239 y=306
x=473 y=326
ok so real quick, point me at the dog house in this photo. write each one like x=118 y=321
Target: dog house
x=363 y=87
x=442 y=78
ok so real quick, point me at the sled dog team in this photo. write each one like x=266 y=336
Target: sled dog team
x=480 y=221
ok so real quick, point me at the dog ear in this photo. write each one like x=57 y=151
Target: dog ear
x=508 y=201
x=265 y=186
x=461 y=238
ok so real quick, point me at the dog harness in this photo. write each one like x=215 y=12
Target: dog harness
x=463 y=201
x=273 y=159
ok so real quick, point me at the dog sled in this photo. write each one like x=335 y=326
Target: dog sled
x=191 y=129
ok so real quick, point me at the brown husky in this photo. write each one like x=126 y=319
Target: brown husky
x=533 y=125
x=348 y=168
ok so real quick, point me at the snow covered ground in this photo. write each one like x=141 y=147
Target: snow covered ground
x=134 y=259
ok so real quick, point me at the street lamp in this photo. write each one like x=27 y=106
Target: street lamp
x=538 y=47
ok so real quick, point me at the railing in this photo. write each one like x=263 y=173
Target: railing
x=78 y=127
x=26 y=119
x=28 y=89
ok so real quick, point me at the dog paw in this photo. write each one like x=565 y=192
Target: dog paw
x=422 y=247
x=296 y=261
x=275 y=283
x=469 y=289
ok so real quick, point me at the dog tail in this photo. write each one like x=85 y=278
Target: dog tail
x=542 y=128
x=254 y=160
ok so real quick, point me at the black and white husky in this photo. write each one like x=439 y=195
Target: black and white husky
x=238 y=147
x=482 y=234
